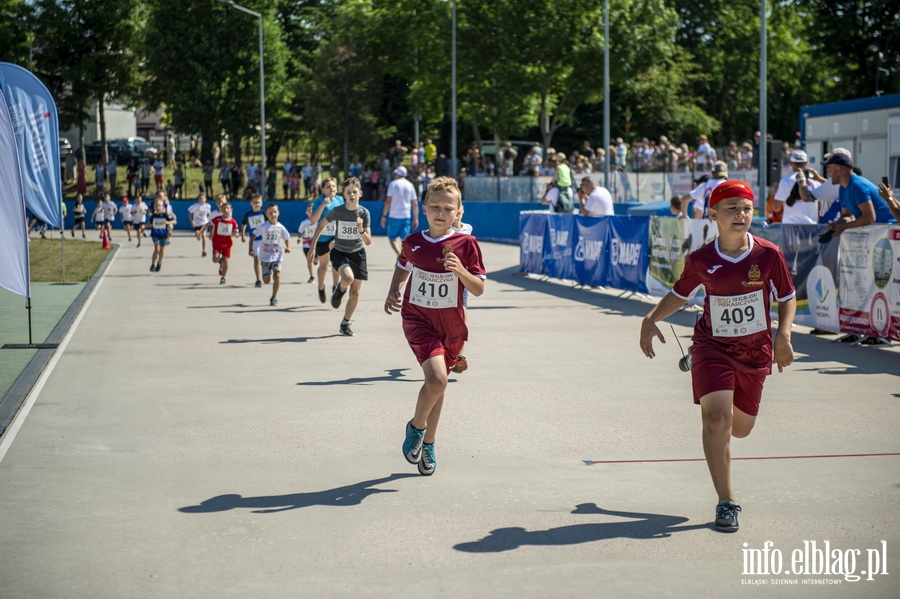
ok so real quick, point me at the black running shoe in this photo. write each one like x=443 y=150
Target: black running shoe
x=427 y=464
x=337 y=297
x=345 y=330
x=727 y=516
x=322 y=295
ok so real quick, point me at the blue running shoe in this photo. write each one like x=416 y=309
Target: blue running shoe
x=726 y=515
x=412 y=446
x=427 y=464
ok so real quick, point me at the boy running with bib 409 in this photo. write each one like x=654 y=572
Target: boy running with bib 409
x=348 y=256
x=732 y=351
x=438 y=265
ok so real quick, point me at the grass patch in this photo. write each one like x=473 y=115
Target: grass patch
x=83 y=258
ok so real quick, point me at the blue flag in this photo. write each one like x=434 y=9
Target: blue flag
x=35 y=125
x=14 y=271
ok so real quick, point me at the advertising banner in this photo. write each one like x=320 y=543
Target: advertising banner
x=628 y=255
x=870 y=282
x=14 y=268
x=668 y=252
x=532 y=229
x=813 y=268
x=36 y=128
x=558 y=248
x=591 y=234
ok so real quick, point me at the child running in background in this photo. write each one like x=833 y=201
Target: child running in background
x=268 y=249
x=438 y=263
x=199 y=213
x=732 y=349
x=79 y=211
x=348 y=256
x=161 y=223
x=460 y=227
x=224 y=230
x=125 y=215
x=98 y=218
x=138 y=217
x=322 y=205
x=251 y=221
x=305 y=231
x=109 y=214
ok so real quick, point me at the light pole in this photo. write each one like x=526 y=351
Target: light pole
x=262 y=84
x=453 y=166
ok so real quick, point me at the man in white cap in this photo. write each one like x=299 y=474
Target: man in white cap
x=400 y=215
x=794 y=208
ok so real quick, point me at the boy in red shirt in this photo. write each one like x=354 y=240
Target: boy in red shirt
x=732 y=350
x=439 y=264
x=224 y=230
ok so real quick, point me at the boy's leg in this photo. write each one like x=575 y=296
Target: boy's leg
x=256 y=269
x=203 y=240
x=276 y=282
x=353 y=299
x=720 y=421
x=431 y=396
x=223 y=262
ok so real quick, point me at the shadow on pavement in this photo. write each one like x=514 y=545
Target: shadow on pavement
x=280 y=339
x=270 y=504
x=647 y=526
x=392 y=375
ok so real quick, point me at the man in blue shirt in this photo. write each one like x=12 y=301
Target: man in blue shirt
x=860 y=203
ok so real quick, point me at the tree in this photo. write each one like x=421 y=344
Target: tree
x=203 y=66
x=88 y=53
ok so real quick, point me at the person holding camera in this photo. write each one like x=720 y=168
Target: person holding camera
x=788 y=200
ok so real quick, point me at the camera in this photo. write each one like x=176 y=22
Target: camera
x=684 y=364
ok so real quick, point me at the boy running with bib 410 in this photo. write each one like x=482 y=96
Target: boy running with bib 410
x=436 y=265
x=348 y=256
x=732 y=351
x=267 y=249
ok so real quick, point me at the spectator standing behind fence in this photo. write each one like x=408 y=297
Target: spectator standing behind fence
x=795 y=208
x=887 y=194
x=594 y=199
x=563 y=180
x=509 y=159
x=702 y=192
x=860 y=203
x=400 y=215
x=827 y=193
x=705 y=156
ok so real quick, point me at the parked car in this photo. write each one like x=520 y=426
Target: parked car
x=124 y=150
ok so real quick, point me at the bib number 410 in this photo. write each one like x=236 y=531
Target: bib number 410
x=429 y=289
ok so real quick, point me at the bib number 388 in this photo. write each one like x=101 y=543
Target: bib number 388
x=434 y=289
x=737 y=315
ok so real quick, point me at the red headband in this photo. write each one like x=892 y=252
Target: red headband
x=730 y=189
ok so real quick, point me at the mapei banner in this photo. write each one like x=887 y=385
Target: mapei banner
x=531 y=242
x=628 y=255
x=559 y=246
x=870 y=281
x=591 y=235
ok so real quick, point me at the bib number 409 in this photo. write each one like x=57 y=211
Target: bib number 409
x=738 y=315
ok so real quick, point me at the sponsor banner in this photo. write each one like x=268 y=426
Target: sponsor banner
x=870 y=282
x=36 y=128
x=591 y=262
x=532 y=230
x=628 y=255
x=14 y=269
x=813 y=267
x=558 y=247
x=669 y=248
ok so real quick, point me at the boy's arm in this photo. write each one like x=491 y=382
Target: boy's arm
x=287 y=242
x=667 y=306
x=395 y=296
x=365 y=232
x=386 y=209
x=784 y=351
x=311 y=254
x=473 y=283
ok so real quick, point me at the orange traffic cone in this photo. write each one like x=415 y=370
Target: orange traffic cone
x=105 y=245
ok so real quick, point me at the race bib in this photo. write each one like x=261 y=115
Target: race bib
x=225 y=229
x=348 y=231
x=330 y=229
x=434 y=289
x=271 y=237
x=255 y=221
x=737 y=315
x=309 y=231
x=159 y=222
